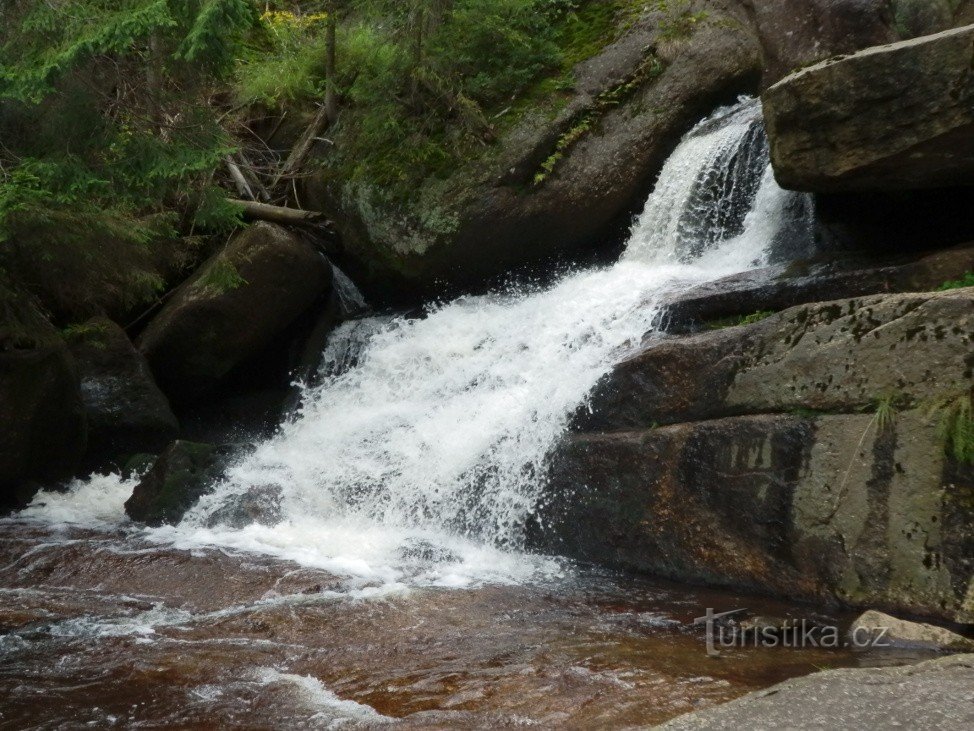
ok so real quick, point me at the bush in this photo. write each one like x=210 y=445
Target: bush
x=110 y=141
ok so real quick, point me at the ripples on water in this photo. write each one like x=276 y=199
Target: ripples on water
x=106 y=627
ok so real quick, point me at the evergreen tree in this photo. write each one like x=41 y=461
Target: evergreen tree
x=108 y=117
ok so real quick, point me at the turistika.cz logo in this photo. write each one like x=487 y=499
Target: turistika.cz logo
x=725 y=632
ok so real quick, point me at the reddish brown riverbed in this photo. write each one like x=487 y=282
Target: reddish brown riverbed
x=102 y=629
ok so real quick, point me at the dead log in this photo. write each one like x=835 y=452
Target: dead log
x=303 y=146
x=278 y=214
x=241 y=183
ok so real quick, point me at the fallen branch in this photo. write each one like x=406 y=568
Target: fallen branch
x=241 y=183
x=303 y=146
x=278 y=214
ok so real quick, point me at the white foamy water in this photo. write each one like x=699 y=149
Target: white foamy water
x=419 y=455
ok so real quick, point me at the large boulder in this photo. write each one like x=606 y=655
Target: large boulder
x=233 y=308
x=825 y=356
x=845 y=507
x=798 y=33
x=822 y=453
x=895 y=117
x=787 y=285
x=127 y=413
x=935 y=694
x=874 y=627
x=553 y=182
x=42 y=418
x=183 y=473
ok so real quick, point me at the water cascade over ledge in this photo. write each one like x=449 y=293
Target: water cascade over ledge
x=418 y=455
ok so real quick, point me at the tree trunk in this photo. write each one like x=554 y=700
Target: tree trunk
x=278 y=214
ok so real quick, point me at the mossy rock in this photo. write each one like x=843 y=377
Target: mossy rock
x=43 y=434
x=232 y=308
x=183 y=474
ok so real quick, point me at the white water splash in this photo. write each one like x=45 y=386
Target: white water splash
x=419 y=455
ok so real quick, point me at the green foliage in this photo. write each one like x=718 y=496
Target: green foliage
x=585 y=122
x=680 y=20
x=92 y=332
x=736 y=320
x=221 y=277
x=286 y=61
x=966 y=281
x=885 y=413
x=957 y=427
x=109 y=142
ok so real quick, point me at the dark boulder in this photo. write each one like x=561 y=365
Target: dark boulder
x=127 y=413
x=551 y=184
x=233 y=308
x=896 y=117
x=183 y=473
x=42 y=418
x=825 y=507
x=260 y=505
x=797 y=33
x=824 y=356
x=780 y=287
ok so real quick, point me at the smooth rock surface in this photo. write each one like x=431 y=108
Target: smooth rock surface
x=232 y=308
x=829 y=507
x=844 y=355
x=894 y=117
x=796 y=33
x=937 y=694
x=893 y=632
x=127 y=413
x=783 y=286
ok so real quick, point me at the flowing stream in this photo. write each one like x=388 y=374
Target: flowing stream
x=380 y=572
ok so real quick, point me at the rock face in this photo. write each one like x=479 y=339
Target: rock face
x=892 y=632
x=801 y=456
x=632 y=104
x=232 y=308
x=126 y=411
x=932 y=694
x=825 y=356
x=179 y=478
x=43 y=432
x=796 y=33
x=894 y=117
x=783 y=286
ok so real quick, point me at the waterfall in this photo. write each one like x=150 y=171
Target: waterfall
x=419 y=454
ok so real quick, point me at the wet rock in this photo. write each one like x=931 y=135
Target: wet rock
x=632 y=104
x=825 y=356
x=888 y=631
x=126 y=411
x=932 y=694
x=796 y=33
x=895 y=117
x=839 y=484
x=184 y=472
x=43 y=433
x=233 y=308
x=783 y=286
x=138 y=465
x=837 y=507
x=260 y=505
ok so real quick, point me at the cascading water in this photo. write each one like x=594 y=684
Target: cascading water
x=419 y=454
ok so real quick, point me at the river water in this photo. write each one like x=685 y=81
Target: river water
x=379 y=573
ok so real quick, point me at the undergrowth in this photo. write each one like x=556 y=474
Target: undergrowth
x=965 y=281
